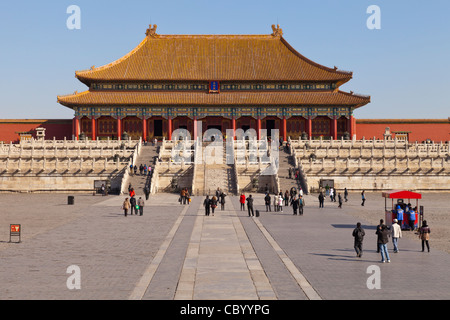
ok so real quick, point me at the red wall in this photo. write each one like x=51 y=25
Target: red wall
x=420 y=130
x=54 y=128
x=436 y=130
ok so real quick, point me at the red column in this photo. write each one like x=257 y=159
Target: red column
x=309 y=127
x=233 y=124
x=195 y=133
x=170 y=128
x=284 y=132
x=77 y=128
x=144 y=129
x=351 y=127
x=119 y=128
x=258 y=128
x=334 y=128
x=94 y=128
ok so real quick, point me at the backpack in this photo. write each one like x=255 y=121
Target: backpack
x=359 y=234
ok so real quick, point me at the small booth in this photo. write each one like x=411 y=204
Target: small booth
x=401 y=196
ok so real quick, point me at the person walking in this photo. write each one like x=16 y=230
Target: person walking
x=242 y=201
x=383 y=239
x=286 y=198
x=400 y=213
x=358 y=234
x=396 y=234
x=213 y=204
x=363 y=198
x=424 y=235
x=302 y=203
x=141 y=203
x=280 y=202
x=267 y=201
x=125 y=206
x=295 y=203
x=376 y=232
x=250 y=206
x=331 y=194
x=321 y=199
x=207 y=205
x=340 y=201
x=133 y=205
x=345 y=194
x=222 y=201
x=275 y=203
x=412 y=218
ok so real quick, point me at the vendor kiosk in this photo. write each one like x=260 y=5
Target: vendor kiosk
x=401 y=196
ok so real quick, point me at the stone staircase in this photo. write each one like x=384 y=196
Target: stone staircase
x=212 y=176
x=147 y=156
x=287 y=162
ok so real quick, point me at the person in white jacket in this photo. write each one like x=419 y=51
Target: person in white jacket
x=396 y=234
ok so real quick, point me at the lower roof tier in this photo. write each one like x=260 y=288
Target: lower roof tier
x=109 y=98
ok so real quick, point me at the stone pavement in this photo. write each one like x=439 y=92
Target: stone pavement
x=174 y=252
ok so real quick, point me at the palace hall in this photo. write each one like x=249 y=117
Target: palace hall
x=223 y=81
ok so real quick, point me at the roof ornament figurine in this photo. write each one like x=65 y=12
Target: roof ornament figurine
x=277 y=31
x=151 y=31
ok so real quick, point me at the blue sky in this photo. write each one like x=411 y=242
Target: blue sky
x=403 y=66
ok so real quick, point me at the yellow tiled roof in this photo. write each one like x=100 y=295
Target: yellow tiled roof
x=237 y=98
x=213 y=57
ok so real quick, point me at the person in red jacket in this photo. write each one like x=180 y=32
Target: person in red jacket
x=242 y=201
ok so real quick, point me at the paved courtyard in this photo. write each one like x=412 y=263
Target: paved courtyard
x=174 y=252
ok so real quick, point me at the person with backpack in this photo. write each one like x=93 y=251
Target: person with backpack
x=301 y=205
x=358 y=234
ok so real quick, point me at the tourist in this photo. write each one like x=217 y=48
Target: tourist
x=424 y=235
x=213 y=204
x=135 y=170
x=376 y=232
x=400 y=213
x=141 y=168
x=250 y=206
x=267 y=201
x=207 y=205
x=132 y=192
x=125 y=206
x=295 y=203
x=146 y=192
x=340 y=200
x=331 y=193
x=187 y=196
x=242 y=201
x=280 y=201
x=286 y=198
x=222 y=201
x=321 y=199
x=383 y=239
x=182 y=196
x=302 y=204
x=131 y=168
x=358 y=234
x=275 y=203
x=103 y=189
x=345 y=194
x=133 y=205
x=141 y=206
x=412 y=218
x=363 y=198
x=396 y=234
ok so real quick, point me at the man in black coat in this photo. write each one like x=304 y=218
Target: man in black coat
x=267 y=200
x=250 y=206
x=358 y=234
x=207 y=205
x=133 y=205
x=321 y=199
x=295 y=202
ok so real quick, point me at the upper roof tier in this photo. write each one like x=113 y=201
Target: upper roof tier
x=213 y=57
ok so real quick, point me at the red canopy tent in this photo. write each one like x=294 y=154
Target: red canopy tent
x=399 y=194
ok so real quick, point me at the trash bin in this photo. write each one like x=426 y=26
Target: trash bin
x=70 y=200
x=257 y=213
